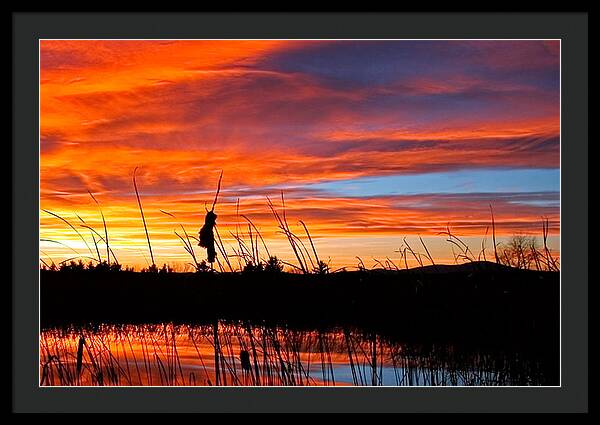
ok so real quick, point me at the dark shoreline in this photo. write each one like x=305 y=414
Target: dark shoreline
x=475 y=308
x=480 y=302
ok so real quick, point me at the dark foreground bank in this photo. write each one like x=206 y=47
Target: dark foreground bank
x=477 y=302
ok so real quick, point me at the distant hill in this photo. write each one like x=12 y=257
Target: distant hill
x=474 y=266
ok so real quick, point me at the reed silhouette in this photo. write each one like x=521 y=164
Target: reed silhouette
x=153 y=266
x=206 y=234
x=521 y=252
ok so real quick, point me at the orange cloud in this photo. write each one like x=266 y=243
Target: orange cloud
x=183 y=110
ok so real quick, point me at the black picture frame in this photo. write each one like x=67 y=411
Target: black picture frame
x=570 y=28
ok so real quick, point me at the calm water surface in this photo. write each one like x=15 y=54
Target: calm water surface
x=241 y=354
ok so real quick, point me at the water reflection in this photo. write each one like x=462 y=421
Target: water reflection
x=245 y=354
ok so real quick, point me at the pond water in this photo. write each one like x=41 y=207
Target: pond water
x=244 y=354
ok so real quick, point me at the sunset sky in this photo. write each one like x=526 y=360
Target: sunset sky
x=371 y=141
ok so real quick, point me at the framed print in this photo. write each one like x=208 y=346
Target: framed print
x=236 y=213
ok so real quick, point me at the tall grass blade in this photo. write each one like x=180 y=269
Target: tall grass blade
x=143 y=218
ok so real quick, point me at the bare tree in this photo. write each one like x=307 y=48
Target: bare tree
x=520 y=252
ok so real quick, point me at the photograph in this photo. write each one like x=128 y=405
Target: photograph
x=309 y=212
